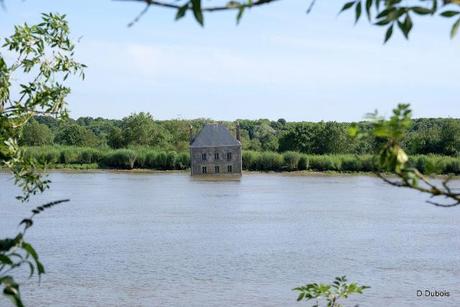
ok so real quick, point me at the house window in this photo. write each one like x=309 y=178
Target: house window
x=216 y=156
x=204 y=170
x=229 y=156
x=229 y=169
x=216 y=170
x=203 y=156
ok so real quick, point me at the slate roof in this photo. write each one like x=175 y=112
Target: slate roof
x=213 y=135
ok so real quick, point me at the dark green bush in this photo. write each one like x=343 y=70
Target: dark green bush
x=89 y=155
x=183 y=160
x=69 y=156
x=269 y=161
x=351 y=164
x=325 y=163
x=291 y=160
x=303 y=163
x=249 y=160
x=120 y=158
x=452 y=166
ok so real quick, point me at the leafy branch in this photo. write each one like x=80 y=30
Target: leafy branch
x=390 y=14
x=331 y=293
x=44 y=53
x=392 y=158
x=195 y=6
x=16 y=252
x=46 y=50
x=394 y=14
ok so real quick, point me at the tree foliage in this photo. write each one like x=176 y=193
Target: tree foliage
x=44 y=54
x=389 y=14
x=73 y=134
x=36 y=134
x=439 y=136
x=392 y=157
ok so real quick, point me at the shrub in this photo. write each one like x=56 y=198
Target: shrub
x=452 y=166
x=89 y=156
x=151 y=160
x=303 y=163
x=325 y=163
x=120 y=158
x=69 y=156
x=183 y=160
x=291 y=160
x=249 y=160
x=351 y=164
x=367 y=163
x=141 y=159
x=270 y=161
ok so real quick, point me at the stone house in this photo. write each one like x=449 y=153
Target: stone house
x=215 y=151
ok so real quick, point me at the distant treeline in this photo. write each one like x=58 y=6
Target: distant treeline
x=147 y=158
x=439 y=136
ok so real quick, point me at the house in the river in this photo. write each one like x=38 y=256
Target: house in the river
x=215 y=151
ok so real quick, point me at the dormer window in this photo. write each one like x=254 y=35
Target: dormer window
x=216 y=156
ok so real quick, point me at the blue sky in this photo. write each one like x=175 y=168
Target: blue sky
x=278 y=63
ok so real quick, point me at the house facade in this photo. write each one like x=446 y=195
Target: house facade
x=214 y=151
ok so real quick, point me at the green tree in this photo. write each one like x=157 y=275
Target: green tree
x=43 y=52
x=331 y=138
x=297 y=137
x=75 y=135
x=266 y=135
x=450 y=137
x=141 y=129
x=36 y=134
x=115 y=138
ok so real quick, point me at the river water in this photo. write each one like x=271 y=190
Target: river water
x=165 y=239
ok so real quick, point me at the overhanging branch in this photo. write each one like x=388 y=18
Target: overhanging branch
x=229 y=6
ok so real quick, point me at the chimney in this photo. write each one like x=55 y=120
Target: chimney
x=191 y=134
x=238 y=136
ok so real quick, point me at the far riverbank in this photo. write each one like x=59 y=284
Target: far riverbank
x=82 y=158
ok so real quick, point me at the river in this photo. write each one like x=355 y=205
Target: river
x=165 y=239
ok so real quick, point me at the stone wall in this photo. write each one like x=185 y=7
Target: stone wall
x=197 y=162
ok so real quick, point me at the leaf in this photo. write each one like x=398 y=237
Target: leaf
x=406 y=26
x=449 y=14
x=347 y=6
x=240 y=14
x=301 y=296
x=5 y=259
x=31 y=251
x=454 y=29
x=197 y=12
x=388 y=33
x=358 y=11
x=421 y=10
x=368 y=8
x=11 y=290
x=27 y=223
x=182 y=11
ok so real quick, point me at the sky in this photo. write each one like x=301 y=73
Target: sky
x=278 y=62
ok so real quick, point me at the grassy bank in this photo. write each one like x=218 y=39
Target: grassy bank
x=145 y=158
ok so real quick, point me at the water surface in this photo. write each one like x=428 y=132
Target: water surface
x=155 y=239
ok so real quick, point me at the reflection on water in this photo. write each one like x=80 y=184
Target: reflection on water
x=168 y=240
